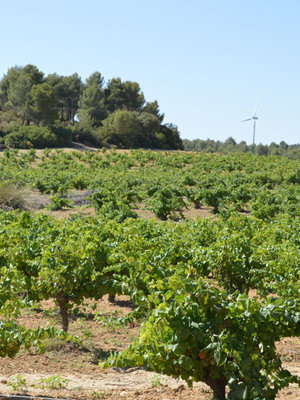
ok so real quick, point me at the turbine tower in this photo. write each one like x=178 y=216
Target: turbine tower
x=255 y=118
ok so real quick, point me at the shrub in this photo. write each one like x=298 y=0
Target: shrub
x=91 y=137
x=58 y=203
x=166 y=202
x=25 y=137
x=64 y=135
x=202 y=334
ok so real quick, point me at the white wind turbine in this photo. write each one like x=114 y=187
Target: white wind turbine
x=255 y=118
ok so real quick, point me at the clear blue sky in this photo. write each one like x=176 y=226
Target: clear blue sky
x=206 y=62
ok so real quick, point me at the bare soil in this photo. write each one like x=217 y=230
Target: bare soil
x=76 y=365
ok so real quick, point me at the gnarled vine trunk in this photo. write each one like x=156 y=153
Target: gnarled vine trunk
x=111 y=298
x=62 y=301
x=217 y=386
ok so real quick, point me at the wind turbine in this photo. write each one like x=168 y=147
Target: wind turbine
x=255 y=118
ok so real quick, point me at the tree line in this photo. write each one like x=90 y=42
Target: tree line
x=231 y=146
x=101 y=113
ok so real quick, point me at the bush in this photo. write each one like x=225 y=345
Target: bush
x=166 y=202
x=202 y=334
x=90 y=137
x=112 y=207
x=64 y=135
x=26 y=137
x=58 y=203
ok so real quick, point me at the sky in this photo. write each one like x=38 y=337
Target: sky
x=207 y=63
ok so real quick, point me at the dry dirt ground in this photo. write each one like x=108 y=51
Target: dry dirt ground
x=75 y=366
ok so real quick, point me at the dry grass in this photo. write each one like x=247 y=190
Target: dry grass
x=13 y=197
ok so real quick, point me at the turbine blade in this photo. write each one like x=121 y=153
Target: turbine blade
x=244 y=120
x=255 y=109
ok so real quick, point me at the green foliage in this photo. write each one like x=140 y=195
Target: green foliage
x=58 y=202
x=18 y=382
x=121 y=128
x=155 y=381
x=91 y=104
x=64 y=134
x=25 y=137
x=153 y=108
x=210 y=331
x=16 y=86
x=123 y=95
x=41 y=104
x=27 y=98
x=13 y=336
x=168 y=137
x=214 y=197
x=166 y=202
x=52 y=382
x=202 y=334
x=230 y=146
x=115 y=203
x=31 y=136
x=232 y=257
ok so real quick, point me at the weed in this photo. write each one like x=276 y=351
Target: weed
x=99 y=355
x=51 y=312
x=46 y=152
x=54 y=344
x=52 y=382
x=112 y=321
x=287 y=358
x=18 y=382
x=84 y=328
x=118 y=343
x=52 y=357
x=155 y=381
x=97 y=395
x=78 y=364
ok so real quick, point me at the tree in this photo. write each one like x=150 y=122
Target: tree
x=274 y=149
x=153 y=108
x=229 y=144
x=92 y=109
x=68 y=90
x=16 y=87
x=122 y=128
x=41 y=104
x=138 y=129
x=168 y=137
x=123 y=95
x=283 y=145
x=242 y=147
x=11 y=76
x=17 y=96
x=262 y=150
x=150 y=125
x=59 y=86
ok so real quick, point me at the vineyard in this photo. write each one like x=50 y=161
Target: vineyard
x=205 y=300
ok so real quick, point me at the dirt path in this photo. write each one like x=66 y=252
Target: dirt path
x=131 y=384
